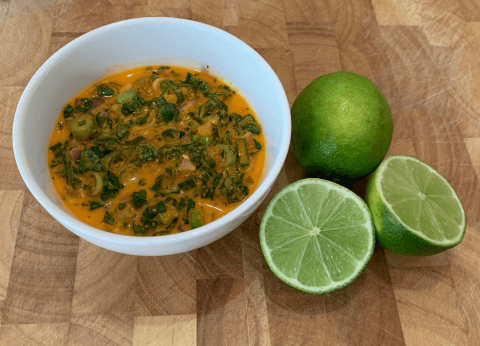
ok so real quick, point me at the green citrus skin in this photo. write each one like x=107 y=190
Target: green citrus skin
x=391 y=234
x=341 y=127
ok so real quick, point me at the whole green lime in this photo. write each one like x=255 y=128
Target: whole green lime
x=341 y=127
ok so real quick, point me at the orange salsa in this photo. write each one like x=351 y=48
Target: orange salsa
x=155 y=150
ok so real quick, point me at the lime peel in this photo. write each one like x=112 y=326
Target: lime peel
x=395 y=234
x=389 y=206
x=341 y=127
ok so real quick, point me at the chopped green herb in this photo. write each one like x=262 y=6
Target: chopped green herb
x=66 y=163
x=56 y=147
x=54 y=163
x=67 y=111
x=131 y=106
x=257 y=145
x=169 y=191
x=172 y=224
x=167 y=110
x=160 y=207
x=108 y=218
x=248 y=118
x=251 y=128
x=158 y=183
x=123 y=130
x=95 y=205
x=103 y=90
x=90 y=160
x=84 y=106
x=172 y=201
x=111 y=186
x=141 y=120
x=190 y=205
x=139 y=198
x=188 y=184
x=169 y=133
x=139 y=229
x=151 y=212
x=196 y=83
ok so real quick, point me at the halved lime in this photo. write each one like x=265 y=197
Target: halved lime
x=415 y=210
x=316 y=235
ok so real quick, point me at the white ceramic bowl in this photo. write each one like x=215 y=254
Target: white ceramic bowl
x=140 y=42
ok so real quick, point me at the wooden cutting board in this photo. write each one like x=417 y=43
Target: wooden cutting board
x=56 y=289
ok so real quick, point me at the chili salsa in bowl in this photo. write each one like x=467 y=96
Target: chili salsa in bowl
x=155 y=150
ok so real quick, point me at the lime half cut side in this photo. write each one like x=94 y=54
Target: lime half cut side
x=415 y=210
x=317 y=236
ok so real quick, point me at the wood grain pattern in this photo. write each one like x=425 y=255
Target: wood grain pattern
x=96 y=269
x=101 y=329
x=166 y=286
x=221 y=311
x=56 y=289
x=42 y=274
x=34 y=334
x=9 y=175
x=178 y=330
x=10 y=207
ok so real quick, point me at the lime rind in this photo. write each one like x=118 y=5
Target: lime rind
x=317 y=253
x=444 y=243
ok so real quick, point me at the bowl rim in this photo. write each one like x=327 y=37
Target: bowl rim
x=93 y=233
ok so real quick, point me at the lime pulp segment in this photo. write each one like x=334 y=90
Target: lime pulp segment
x=421 y=199
x=316 y=235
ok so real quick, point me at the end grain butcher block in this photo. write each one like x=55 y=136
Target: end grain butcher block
x=56 y=289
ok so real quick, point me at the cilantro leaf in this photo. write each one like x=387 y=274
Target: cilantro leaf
x=95 y=205
x=108 y=218
x=111 y=186
x=103 y=90
x=167 y=110
x=67 y=111
x=139 y=198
